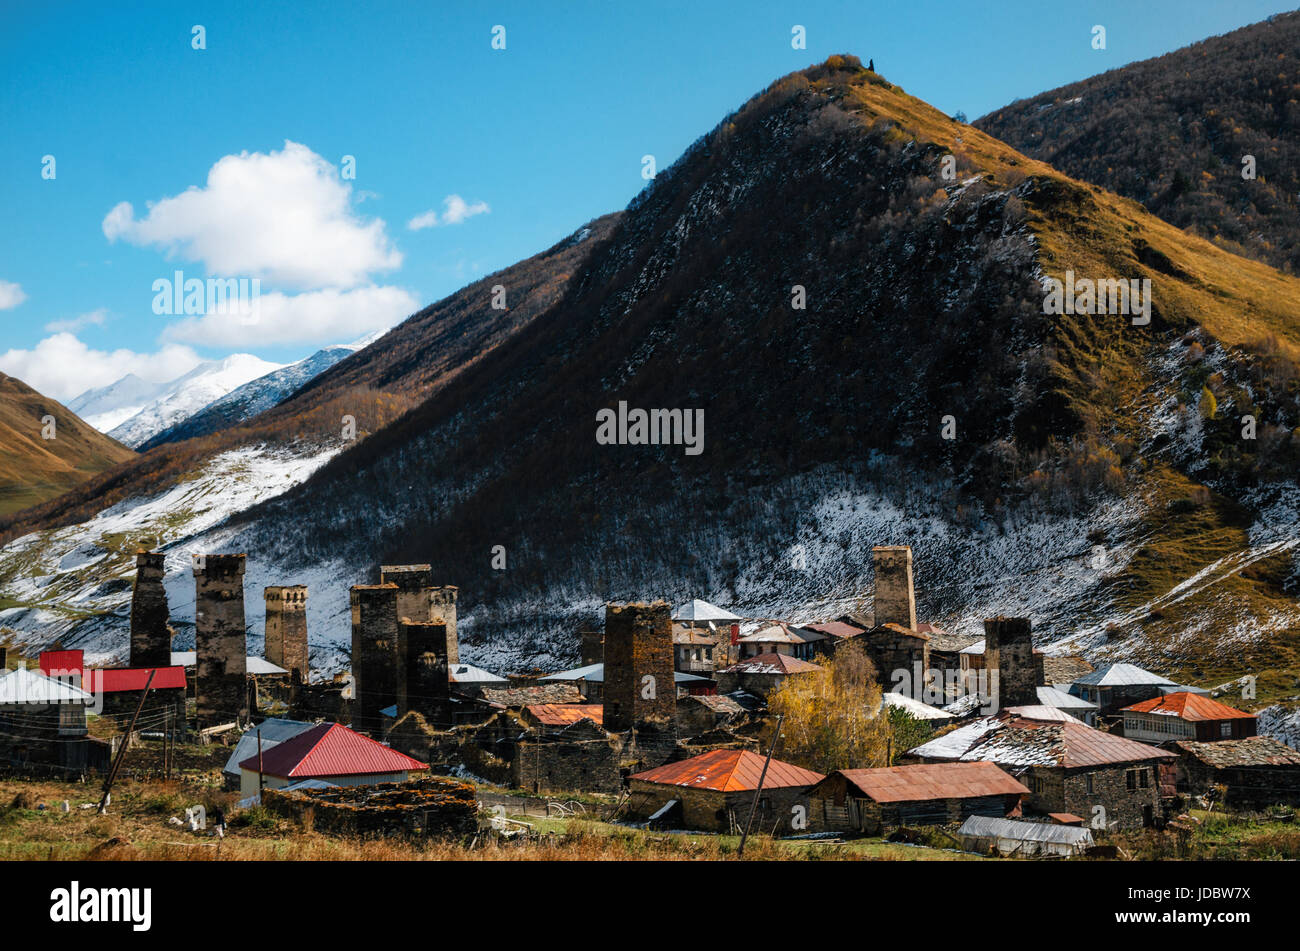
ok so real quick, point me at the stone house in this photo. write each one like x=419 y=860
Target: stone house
x=551 y=717
x=1185 y=716
x=1068 y=766
x=868 y=800
x=1115 y=686
x=1259 y=771
x=714 y=792
x=782 y=638
x=762 y=674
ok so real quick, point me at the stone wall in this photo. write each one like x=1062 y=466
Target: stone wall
x=639 y=685
x=711 y=810
x=580 y=758
x=1249 y=787
x=428 y=808
x=151 y=637
x=286 y=629
x=220 y=639
x=895 y=597
x=419 y=599
x=424 y=686
x=375 y=636
x=1009 y=649
x=893 y=647
x=1061 y=790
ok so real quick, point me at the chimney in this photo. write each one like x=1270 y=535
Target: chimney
x=895 y=599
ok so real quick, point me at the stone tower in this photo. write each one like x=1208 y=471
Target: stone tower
x=286 y=629
x=1009 y=650
x=220 y=641
x=419 y=599
x=639 y=685
x=151 y=637
x=895 y=599
x=374 y=653
x=593 y=646
x=426 y=687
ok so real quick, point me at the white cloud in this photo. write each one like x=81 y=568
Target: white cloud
x=94 y=318
x=11 y=295
x=61 y=366
x=455 y=210
x=326 y=317
x=284 y=216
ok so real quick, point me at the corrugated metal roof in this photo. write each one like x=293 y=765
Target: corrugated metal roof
x=698 y=610
x=989 y=827
x=1051 y=697
x=930 y=781
x=120 y=679
x=274 y=732
x=258 y=666
x=1189 y=706
x=914 y=707
x=29 y=686
x=562 y=714
x=469 y=674
x=331 y=749
x=1120 y=675
x=729 y=771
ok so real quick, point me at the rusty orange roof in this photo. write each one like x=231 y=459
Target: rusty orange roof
x=563 y=714
x=1189 y=706
x=933 y=781
x=729 y=771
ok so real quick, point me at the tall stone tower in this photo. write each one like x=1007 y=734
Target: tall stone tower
x=220 y=639
x=1009 y=650
x=895 y=599
x=151 y=637
x=286 y=629
x=419 y=599
x=426 y=687
x=639 y=685
x=374 y=653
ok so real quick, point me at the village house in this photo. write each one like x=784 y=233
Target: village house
x=838 y=632
x=1258 y=771
x=551 y=717
x=1115 y=686
x=945 y=648
x=697 y=613
x=118 y=689
x=693 y=650
x=1185 y=716
x=267 y=677
x=764 y=673
x=42 y=720
x=702 y=713
x=782 y=638
x=328 y=752
x=1059 y=699
x=270 y=732
x=1068 y=766
x=869 y=800
x=714 y=792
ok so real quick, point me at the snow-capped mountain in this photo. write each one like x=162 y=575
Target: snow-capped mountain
x=107 y=407
x=167 y=403
x=246 y=401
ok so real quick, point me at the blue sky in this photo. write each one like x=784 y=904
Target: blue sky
x=532 y=141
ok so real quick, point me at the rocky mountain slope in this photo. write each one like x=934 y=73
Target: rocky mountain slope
x=1077 y=467
x=33 y=467
x=1173 y=133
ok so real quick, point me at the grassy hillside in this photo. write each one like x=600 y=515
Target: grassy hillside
x=1172 y=132
x=34 y=468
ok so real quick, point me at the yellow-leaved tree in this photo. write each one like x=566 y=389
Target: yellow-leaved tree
x=833 y=717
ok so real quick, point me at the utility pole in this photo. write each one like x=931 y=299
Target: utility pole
x=740 y=852
x=259 y=765
x=126 y=741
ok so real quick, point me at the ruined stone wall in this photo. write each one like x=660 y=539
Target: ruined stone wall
x=424 y=686
x=286 y=629
x=589 y=763
x=895 y=597
x=151 y=637
x=427 y=808
x=220 y=639
x=374 y=654
x=1009 y=649
x=639 y=685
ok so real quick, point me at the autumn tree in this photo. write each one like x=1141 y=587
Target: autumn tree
x=833 y=717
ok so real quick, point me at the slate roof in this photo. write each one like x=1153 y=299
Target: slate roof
x=563 y=692
x=930 y=781
x=729 y=771
x=1009 y=739
x=771 y=662
x=1249 y=751
x=837 y=629
x=1189 y=706
x=941 y=640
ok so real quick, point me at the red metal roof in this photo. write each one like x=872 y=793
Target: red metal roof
x=63 y=662
x=1189 y=706
x=729 y=771
x=933 y=781
x=330 y=750
x=110 y=679
x=562 y=714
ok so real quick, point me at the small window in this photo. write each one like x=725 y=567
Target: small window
x=1087 y=783
x=1225 y=728
x=1144 y=778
